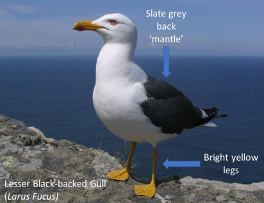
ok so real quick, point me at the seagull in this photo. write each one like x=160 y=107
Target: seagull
x=133 y=105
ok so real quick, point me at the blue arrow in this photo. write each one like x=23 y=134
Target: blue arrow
x=168 y=163
x=166 y=71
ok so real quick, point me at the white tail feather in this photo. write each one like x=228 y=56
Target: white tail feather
x=210 y=125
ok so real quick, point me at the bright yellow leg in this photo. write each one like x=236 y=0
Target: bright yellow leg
x=124 y=173
x=150 y=189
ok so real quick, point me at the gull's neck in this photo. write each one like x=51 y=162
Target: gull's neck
x=115 y=60
x=116 y=51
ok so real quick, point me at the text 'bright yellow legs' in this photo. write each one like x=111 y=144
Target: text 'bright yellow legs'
x=124 y=173
x=150 y=189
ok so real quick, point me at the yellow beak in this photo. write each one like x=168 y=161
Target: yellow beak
x=86 y=25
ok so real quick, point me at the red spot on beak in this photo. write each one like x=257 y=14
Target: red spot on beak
x=79 y=28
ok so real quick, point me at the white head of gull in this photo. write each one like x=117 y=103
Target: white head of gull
x=133 y=105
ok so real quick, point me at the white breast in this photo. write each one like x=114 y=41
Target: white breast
x=116 y=101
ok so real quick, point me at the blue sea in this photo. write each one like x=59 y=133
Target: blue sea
x=54 y=94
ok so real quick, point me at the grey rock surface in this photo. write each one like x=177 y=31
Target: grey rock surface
x=74 y=173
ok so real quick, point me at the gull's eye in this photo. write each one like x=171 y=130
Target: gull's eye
x=112 y=21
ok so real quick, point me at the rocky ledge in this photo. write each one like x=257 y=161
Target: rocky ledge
x=34 y=168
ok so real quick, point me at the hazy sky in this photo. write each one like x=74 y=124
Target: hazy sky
x=210 y=27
